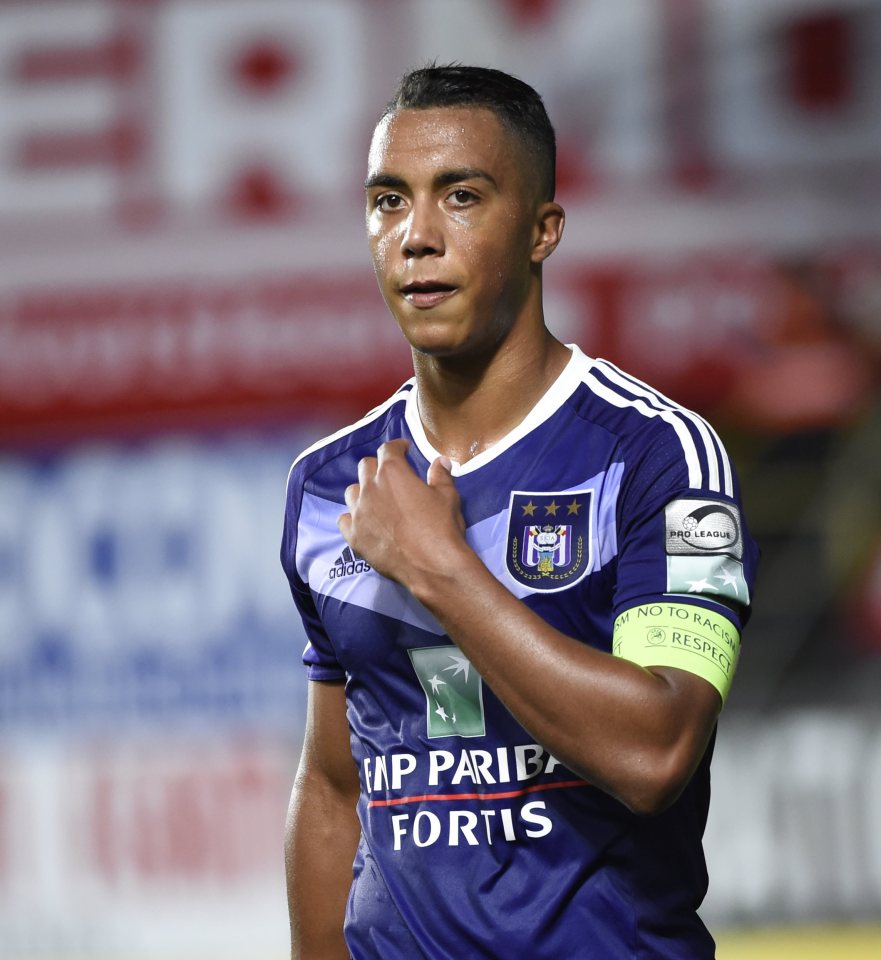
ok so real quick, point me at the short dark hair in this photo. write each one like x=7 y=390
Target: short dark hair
x=516 y=104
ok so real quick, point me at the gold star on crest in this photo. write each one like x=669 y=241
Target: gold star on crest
x=552 y=508
x=529 y=509
x=573 y=507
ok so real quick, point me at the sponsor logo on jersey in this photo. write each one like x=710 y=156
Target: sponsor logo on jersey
x=453 y=691
x=696 y=527
x=548 y=544
x=505 y=780
x=347 y=564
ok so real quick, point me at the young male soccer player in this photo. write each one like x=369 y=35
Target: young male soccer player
x=523 y=578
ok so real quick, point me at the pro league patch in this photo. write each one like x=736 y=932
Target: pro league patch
x=549 y=543
x=702 y=526
x=704 y=547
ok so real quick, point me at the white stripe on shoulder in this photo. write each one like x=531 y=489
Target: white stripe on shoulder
x=399 y=395
x=717 y=457
x=695 y=473
x=650 y=404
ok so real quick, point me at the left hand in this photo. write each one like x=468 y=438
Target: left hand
x=402 y=526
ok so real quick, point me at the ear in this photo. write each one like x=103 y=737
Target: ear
x=550 y=218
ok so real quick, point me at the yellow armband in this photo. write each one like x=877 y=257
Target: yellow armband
x=679 y=635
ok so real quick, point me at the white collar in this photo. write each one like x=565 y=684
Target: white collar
x=556 y=394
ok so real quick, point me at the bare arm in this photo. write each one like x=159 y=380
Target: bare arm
x=637 y=733
x=322 y=829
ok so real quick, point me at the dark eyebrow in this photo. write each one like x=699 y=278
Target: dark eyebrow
x=463 y=173
x=384 y=180
x=444 y=179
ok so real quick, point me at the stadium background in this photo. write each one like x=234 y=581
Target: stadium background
x=186 y=301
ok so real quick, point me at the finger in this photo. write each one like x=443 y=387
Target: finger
x=366 y=469
x=393 y=450
x=440 y=473
x=344 y=523
x=351 y=495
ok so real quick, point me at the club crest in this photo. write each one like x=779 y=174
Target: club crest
x=548 y=546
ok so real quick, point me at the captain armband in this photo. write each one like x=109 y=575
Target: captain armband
x=679 y=635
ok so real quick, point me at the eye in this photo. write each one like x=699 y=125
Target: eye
x=461 y=197
x=388 y=202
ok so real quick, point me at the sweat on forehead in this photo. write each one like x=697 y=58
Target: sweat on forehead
x=460 y=138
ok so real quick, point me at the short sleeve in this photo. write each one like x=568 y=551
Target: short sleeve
x=681 y=540
x=319 y=655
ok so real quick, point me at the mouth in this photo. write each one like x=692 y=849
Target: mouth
x=427 y=293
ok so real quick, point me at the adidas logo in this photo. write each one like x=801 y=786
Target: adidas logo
x=347 y=564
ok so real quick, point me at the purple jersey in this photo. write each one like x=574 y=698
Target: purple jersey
x=476 y=842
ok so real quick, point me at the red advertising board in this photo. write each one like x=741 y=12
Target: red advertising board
x=124 y=356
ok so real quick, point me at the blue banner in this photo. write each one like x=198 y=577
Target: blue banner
x=140 y=585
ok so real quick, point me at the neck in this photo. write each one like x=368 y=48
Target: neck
x=467 y=404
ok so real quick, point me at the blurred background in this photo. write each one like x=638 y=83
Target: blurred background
x=186 y=302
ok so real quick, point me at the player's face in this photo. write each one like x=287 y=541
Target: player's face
x=453 y=223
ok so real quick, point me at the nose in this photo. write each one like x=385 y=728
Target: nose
x=423 y=235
